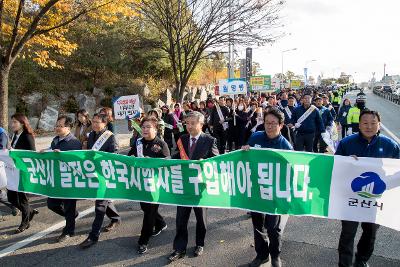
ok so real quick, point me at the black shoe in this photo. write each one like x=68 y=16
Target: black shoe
x=22 y=228
x=63 y=237
x=87 y=243
x=142 y=249
x=360 y=264
x=176 y=255
x=111 y=226
x=157 y=232
x=276 y=262
x=258 y=262
x=198 y=251
x=33 y=213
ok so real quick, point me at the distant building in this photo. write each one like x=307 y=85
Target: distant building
x=391 y=79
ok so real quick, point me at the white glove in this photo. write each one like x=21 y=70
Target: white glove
x=349 y=131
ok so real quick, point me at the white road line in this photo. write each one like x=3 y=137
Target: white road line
x=390 y=133
x=39 y=235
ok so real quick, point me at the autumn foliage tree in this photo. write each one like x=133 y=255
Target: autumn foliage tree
x=37 y=29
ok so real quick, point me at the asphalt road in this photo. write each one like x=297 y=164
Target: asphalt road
x=307 y=241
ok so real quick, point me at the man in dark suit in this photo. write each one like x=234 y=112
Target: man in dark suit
x=104 y=140
x=219 y=123
x=64 y=141
x=195 y=145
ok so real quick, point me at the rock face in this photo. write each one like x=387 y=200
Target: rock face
x=88 y=103
x=34 y=121
x=48 y=119
x=34 y=103
x=167 y=97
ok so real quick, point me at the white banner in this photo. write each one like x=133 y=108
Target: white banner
x=366 y=190
x=7 y=169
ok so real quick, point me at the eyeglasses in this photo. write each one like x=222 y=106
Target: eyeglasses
x=274 y=124
x=59 y=126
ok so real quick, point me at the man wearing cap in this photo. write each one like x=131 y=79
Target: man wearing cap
x=354 y=113
x=307 y=121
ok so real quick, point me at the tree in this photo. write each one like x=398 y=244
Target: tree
x=187 y=28
x=37 y=29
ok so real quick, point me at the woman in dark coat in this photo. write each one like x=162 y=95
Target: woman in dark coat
x=22 y=139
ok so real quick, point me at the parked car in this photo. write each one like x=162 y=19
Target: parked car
x=387 y=89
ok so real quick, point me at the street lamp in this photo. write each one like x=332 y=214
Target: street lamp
x=285 y=51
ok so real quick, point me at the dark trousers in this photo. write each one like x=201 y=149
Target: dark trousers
x=151 y=219
x=67 y=209
x=232 y=137
x=182 y=219
x=102 y=208
x=274 y=224
x=319 y=144
x=221 y=135
x=304 y=142
x=21 y=202
x=365 y=246
x=168 y=138
x=344 y=130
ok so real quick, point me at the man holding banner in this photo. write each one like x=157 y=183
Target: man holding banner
x=195 y=145
x=367 y=143
x=274 y=224
x=101 y=139
x=64 y=141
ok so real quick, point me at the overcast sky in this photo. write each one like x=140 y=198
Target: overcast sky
x=354 y=36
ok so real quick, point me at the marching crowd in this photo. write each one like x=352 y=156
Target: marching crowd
x=302 y=120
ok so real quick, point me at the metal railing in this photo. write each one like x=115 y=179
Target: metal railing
x=389 y=96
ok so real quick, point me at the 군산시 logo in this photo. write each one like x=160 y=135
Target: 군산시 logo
x=368 y=185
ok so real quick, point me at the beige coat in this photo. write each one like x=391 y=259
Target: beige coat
x=83 y=135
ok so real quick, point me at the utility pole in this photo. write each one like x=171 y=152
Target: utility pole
x=231 y=64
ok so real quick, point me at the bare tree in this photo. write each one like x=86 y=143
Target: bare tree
x=187 y=28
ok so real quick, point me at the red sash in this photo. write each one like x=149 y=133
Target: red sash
x=182 y=151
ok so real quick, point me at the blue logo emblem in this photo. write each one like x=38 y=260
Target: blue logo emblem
x=368 y=185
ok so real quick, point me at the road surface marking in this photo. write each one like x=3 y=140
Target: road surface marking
x=39 y=235
x=390 y=133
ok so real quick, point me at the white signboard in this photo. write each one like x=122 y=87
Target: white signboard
x=232 y=87
x=126 y=107
x=275 y=84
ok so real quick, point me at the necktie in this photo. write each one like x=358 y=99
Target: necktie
x=193 y=146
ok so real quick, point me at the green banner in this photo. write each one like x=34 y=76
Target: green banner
x=270 y=181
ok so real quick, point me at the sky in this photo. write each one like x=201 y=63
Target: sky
x=353 y=36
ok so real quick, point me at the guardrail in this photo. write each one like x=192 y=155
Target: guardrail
x=391 y=97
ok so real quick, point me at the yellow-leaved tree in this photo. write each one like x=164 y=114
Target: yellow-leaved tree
x=37 y=29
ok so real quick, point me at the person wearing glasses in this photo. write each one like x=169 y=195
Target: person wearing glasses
x=152 y=146
x=271 y=137
x=64 y=141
